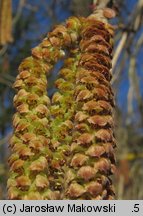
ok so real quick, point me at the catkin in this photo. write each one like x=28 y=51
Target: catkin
x=30 y=142
x=93 y=142
x=63 y=147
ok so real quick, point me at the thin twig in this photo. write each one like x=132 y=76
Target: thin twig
x=118 y=70
x=100 y=3
x=121 y=187
x=3 y=50
x=19 y=11
x=3 y=81
x=130 y=96
x=8 y=77
x=119 y=49
x=136 y=20
x=5 y=139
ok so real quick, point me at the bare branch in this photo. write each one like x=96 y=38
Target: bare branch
x=130 y=96
x=3 y=50
x=119 y=50
x=100 y=3
x=117 y=71
x=19 y=11
x=3 y=81
x=5 y=139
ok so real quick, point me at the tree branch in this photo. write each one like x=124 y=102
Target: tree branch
x=119 y=50
x=100 y=4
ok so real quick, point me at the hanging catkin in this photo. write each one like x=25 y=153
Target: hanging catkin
x=30 y=158
x=5 y=21
x=92 y=160
x=63 y=112
x=63 y=148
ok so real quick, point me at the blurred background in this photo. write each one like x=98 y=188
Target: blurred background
x=24 y=23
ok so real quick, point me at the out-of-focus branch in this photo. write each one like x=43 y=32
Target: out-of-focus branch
x=128 y=35
x=139 y=16
x=19 y=11
x=100 y=3
x=8 y=77
x=3 y=50
x=130 y=96
x=119 y=49
x=117 y=74
x=134 y=89
x=5 y=139
x=31 y=7
x=138 y=45
x=3 y=81
x=81 y=7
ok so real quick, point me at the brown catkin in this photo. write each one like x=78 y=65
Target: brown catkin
x=93 y=142
x=63 y=148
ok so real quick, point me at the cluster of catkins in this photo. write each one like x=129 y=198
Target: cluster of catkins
x=63 y=147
